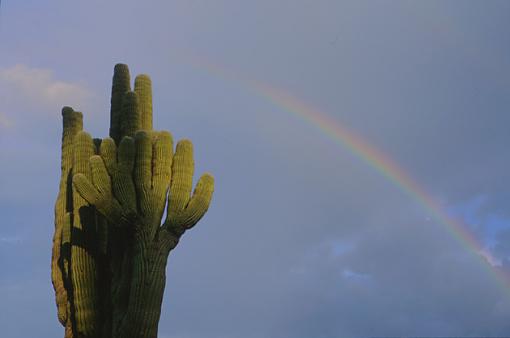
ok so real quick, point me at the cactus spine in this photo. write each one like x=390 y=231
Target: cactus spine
x=110 y=245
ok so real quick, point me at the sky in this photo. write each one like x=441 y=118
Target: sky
x=307 y=235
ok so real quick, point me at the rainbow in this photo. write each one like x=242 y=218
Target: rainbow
x=367 y=153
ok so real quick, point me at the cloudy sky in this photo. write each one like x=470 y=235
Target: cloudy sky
x=304 y=238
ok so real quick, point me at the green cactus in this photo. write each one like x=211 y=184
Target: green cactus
x=110 y=245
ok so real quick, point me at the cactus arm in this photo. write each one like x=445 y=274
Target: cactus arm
x=152 y=173
x=83 y=248
x=100 y=176
x=109 y=186
x=161 y=172
x=178 y=222
x=119 y=164
x=98 y=192
x=108 y=152
x=143 y=172
x=84 y=148
x=182 y=178
x=124 y=188
x=72 y=124
x=120 y=85
x=199 y=203
x=184 y=212
x=143 y=88
x=131 y=120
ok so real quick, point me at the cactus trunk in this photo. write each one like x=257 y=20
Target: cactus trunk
x=146 y=295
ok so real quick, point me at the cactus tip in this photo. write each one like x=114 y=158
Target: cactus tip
x=120 y=66
x=67 y=110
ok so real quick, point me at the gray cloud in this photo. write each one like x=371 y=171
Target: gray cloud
x=37 y=88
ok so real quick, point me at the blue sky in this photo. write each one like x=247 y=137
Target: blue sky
x=302 y=238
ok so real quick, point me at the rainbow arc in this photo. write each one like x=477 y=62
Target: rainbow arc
x=367 y=153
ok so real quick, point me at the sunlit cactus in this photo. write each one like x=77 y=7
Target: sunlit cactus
x=111 y=245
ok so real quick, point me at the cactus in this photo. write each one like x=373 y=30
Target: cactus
x=110 y=245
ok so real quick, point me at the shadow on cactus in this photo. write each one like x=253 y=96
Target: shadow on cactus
x=111 y=242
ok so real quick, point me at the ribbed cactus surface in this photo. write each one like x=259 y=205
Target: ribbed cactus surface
x=111 y=244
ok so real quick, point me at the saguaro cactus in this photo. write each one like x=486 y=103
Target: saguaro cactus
x=110 y=245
